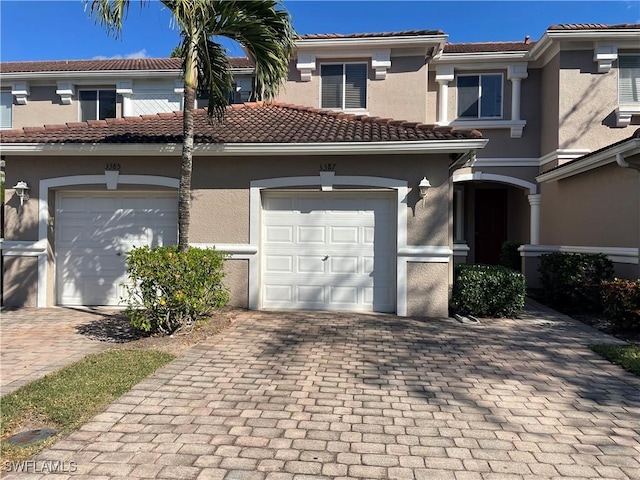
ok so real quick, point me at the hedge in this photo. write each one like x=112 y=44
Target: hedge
x=487 y=291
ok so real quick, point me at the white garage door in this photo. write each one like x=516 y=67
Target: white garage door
x=93 y=233
x=329 y=251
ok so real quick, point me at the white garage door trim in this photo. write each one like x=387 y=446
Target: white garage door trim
x=43 y=210
x=94 y=230
x=256 y=188
x=328 y=250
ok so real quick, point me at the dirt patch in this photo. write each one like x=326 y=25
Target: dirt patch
x=116 y=328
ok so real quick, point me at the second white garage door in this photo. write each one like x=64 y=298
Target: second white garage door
x=329 y=251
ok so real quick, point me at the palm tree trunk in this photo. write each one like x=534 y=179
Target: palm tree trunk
x=186 y=165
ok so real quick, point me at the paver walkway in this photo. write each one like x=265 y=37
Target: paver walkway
x=35 y=341
x=330 y=396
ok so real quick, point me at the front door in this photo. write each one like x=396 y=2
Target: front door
x=491 y=224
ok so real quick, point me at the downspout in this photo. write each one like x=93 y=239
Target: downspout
x=623 y=163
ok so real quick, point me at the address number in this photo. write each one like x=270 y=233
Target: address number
x=327 y=167
x=112 y=166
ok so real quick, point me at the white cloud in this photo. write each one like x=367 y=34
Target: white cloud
x=139 y=54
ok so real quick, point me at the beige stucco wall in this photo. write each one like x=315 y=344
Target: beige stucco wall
x=549 y=99
x=596 y=208
x=587 y=103
x=220 y=202
x=401 y=95
x=500 y=145
x=236 y=279
x=20 y=276
x=45 y=108
x=428 y=289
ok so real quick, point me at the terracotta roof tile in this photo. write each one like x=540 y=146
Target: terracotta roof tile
x=405 y=33
x=488 y=47
x=249 y=123
x=106 y=65
x=593 y=26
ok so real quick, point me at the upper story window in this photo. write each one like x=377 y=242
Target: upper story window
x=343 y=86
x=6 y=109
x=629 y=79
x=97 y=104
x=480 y=96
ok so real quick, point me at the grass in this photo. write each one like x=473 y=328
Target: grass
x=627 y=356
x=67 y=398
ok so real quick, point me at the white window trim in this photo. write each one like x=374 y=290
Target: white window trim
x=11 y=105
x=480 y=117
x=625 y=110
x=361 y=111
x=97 y=101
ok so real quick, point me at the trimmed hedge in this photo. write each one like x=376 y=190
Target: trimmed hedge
x=621 y=302
x=487 y=291
x=571 y=281
x=170 y=289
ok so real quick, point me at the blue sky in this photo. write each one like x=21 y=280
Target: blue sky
x=57 y=30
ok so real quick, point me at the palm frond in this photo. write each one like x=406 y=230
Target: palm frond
x=109 y=14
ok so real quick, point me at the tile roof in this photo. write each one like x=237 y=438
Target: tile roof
x=593 y=26
x=106 y=65
x=488 y=47
x=405 y=33
x=245 y=123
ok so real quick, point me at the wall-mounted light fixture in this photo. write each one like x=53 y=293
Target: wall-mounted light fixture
x=22 y=191
x=424 y=186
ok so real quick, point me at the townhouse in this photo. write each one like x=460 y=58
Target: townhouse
x=387 y=158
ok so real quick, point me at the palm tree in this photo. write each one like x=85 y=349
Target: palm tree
x=262 y=28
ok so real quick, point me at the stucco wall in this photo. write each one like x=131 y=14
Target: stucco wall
x=549 y=99
x=220 y=201
x=45 y=108
x=428 y=289
x=401 y=95
x=236 y=275
x=19 y=285
x=588 y=100
x=596 y=208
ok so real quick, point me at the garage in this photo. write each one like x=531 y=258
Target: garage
x=329 y=251
x=93 y=232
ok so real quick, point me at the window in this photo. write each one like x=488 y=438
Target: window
x=6 y=109
x=480 y=96
x=629 y=79
x=343 y=86
x=97 y=104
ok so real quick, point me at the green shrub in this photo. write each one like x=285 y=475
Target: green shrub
x=571 y=281
x=510 y=256
x=621 y=302
x=487 y=291
x=170 y=290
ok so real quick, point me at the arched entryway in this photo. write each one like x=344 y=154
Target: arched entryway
x=490 y=209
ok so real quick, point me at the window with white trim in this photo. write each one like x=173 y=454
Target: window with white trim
x=6 y=109
x=629 y=79
x=480 y=96
x=343 y=86
x=97 y=104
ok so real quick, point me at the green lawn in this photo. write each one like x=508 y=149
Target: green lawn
x=627 y=356
x=67 y=398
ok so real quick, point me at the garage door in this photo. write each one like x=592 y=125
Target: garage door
x=329 y=251
x=93 y=233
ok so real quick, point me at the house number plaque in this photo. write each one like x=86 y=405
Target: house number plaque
x=327 y=167
x=112 y=167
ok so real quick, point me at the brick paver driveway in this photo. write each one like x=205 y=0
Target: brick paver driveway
x=321 y=395
x=37 y=341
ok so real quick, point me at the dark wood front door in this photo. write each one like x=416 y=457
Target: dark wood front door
x=491 y=224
